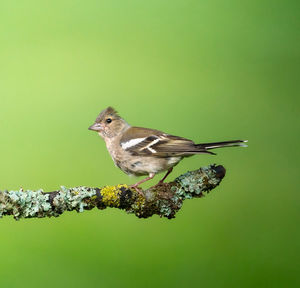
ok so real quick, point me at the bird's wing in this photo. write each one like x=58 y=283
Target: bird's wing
x=149 y=142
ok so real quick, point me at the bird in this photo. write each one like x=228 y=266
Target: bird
x=141 y=151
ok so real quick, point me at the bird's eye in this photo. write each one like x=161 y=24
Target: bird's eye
x=108 y=120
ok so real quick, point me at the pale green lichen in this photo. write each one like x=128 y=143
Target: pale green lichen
x=194 y=183
x=164 y=200
x=27 y=204
x=165 y=208
x=71 y=198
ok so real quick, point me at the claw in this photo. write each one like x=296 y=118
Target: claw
x=137 y=189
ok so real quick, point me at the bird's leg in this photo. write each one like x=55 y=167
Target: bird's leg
x=135 y=186
x=162 y=180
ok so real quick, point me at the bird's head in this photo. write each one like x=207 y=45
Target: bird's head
x=109 y=124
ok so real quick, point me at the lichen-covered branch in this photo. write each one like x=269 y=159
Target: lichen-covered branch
x=164 y=200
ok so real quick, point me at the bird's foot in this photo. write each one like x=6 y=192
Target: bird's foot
x=161 y=182
x=137 y=189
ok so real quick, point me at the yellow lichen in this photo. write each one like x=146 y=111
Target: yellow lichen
x=140 y=201
x=139 y=204
x=111 y=195
x=119 y=186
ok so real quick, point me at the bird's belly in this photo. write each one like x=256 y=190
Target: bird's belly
x=140 y=165
x=146 y=165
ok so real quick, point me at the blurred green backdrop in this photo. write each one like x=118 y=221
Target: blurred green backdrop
x=206 y=70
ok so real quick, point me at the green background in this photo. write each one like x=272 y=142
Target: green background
x=205 y=70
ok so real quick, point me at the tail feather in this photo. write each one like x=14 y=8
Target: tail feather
x=234 y=143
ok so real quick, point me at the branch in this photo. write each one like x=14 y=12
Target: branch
x=164 y=200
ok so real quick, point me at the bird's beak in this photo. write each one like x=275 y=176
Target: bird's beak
x=96 y=127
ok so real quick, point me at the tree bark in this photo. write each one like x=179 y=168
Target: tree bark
x=164 y=200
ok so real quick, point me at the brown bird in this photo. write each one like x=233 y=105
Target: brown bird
x=141 y=151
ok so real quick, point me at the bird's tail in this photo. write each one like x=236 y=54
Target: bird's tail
x=234 y=143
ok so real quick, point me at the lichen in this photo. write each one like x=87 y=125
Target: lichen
x=164 y=200
x=72 y=198
x=24 y=203
x=111 y=195
x=165 y=208
x=27 y=204
x=193 y=184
